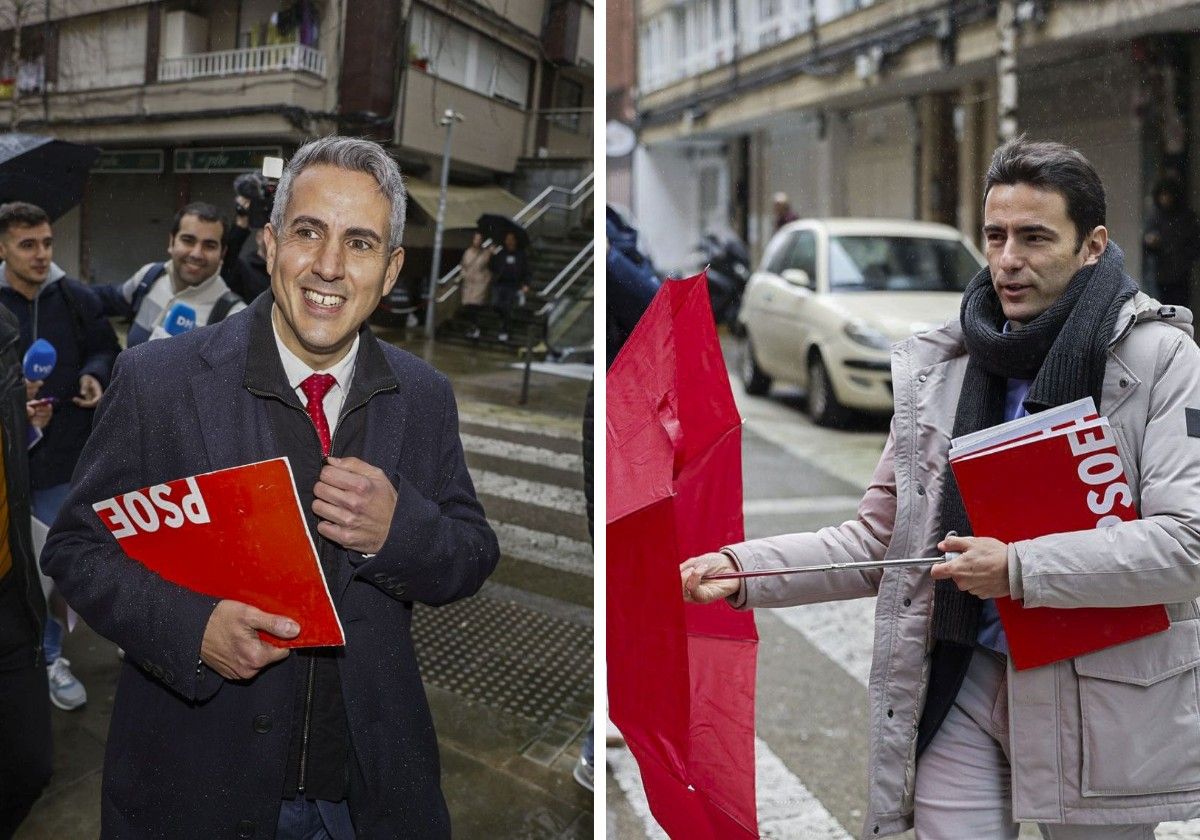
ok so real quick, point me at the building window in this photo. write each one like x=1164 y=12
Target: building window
x=662 y=50
x=568 y=103
x=270 y=22
x=773 y=21
x=448 y=50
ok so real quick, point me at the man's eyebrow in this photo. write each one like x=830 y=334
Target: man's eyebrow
x=361 y=232
x=365 y=233
x=311 y=221
x=1029 y=228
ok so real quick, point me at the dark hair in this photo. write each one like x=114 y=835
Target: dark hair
x=1052 y=166
x=203 y=211
x=21 y=213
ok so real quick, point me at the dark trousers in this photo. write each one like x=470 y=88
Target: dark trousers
x=25 y=756
x=506 y=301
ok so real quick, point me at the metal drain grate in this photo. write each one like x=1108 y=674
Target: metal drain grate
x=505 y=656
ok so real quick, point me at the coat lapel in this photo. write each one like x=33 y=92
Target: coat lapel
x=235 y=427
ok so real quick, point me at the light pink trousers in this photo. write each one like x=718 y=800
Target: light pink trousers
x=964 y=785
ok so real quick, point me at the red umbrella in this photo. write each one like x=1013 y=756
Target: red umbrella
x=680 y=676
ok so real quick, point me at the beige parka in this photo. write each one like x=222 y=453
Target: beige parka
x=1110 y=737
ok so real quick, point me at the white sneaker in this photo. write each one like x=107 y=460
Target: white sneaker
x=66 y=692
x=502 y=337
x=473 y=332
x=583 y=775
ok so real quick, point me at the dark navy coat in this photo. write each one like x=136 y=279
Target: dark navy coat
x=191 y=755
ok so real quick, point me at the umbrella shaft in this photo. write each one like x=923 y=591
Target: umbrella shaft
x=831 y=567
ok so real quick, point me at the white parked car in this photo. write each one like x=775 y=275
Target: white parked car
x=831 y=297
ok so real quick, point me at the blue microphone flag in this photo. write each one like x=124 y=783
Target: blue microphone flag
x=39 y=360
x=180 y=319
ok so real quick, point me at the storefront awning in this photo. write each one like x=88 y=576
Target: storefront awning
x=463 y=204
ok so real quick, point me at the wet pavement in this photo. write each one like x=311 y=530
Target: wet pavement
x=508 y=673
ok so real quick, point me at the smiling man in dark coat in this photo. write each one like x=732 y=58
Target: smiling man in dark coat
x=215 y=733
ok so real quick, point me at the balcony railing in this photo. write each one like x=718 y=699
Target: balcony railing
x=270 y=59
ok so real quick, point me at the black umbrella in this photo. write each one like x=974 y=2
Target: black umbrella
x=493 y=226
x=43 y=171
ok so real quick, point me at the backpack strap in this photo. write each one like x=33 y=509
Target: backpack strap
x=153 y=273
x=78 y=319
x=221 y=308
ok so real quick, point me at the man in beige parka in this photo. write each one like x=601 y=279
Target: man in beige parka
x=1102 y=746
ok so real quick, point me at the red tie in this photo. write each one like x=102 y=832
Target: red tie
x=315 y=388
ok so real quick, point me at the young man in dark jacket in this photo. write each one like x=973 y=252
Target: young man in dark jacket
x=24 y=704
x=47 y=304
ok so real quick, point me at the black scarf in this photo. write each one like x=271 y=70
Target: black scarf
x=1064 y=351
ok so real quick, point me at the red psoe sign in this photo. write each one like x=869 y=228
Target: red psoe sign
x=237 y=533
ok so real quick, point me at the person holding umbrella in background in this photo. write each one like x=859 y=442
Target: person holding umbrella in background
x=510 y=278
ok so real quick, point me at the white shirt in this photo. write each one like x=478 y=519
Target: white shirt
x=297 y=371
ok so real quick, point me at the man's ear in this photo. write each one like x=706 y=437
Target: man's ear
x=392 y=272
x=269 y=247
x=1094 y=244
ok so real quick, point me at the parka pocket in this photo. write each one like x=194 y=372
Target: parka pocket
x=1140 y=710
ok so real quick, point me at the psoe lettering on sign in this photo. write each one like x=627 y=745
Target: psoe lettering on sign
x=1101 y=468
x=147 y=511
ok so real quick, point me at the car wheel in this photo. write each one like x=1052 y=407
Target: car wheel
x=822 y=404
x=753 y=379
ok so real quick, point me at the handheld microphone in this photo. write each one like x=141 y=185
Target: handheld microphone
x=180 y=319
x=39 y=360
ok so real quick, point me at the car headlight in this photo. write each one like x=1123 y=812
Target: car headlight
x=867 y=336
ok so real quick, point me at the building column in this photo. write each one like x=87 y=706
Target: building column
x=937 y=163
x=974 y=142
x=835 y=138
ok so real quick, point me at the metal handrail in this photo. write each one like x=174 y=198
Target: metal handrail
x=587 y=252
x=584 y=189
x=550 y=304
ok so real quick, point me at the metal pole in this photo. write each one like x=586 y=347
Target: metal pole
x=449 y=118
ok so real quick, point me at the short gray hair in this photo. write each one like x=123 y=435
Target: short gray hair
x=356 y=155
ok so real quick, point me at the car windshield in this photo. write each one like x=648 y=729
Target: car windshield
x=899 y=264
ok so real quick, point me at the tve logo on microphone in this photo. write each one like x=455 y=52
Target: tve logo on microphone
x=180 y=318
x=39 y=360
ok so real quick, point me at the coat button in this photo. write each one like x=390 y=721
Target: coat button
x=908 y=602
x=246 y=828
x=922 y=378
x=262 y=724
x=890 y=713
x=1124 y=383
x=920 y=489
x=168 y=677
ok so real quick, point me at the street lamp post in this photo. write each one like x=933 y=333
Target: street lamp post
x=449 y=118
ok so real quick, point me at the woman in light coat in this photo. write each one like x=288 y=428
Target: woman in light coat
x=476 y=282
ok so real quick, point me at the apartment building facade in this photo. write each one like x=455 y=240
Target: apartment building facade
x=892 y=108
x=183 y=95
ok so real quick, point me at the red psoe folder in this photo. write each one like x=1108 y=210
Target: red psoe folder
x=1061 y=479
x=237 y=533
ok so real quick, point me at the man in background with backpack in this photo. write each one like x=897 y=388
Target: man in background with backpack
x=191 y=278
x=69 y=315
